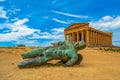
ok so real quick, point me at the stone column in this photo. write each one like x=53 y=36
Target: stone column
x=65 y=37
x=69 y=37
x=98 y=38
x=107 y=40
x=103 y=39
x=90 y=36
x=87 y=36
x=93 y=37
x=110 y=40
x=73 y=37
x=78 y=37
x=82 y=35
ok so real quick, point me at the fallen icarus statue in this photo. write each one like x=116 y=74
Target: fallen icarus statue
x=65 y=51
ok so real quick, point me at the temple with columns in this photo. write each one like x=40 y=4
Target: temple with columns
x=93 y=37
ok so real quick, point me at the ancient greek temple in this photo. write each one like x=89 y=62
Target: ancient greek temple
x=93 y=37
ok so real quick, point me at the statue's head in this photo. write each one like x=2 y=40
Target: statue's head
x=80 y=45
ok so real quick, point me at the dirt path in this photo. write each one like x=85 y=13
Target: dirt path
x=96 y=65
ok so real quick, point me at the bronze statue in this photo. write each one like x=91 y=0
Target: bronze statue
x=66 y=51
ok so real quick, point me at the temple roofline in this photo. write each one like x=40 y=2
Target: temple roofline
x=77 y=24
x=109 y=33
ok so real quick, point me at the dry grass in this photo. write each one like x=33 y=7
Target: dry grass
x=96 y=65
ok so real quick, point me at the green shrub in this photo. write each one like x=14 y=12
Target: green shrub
x=100 y=48
x=21 y=45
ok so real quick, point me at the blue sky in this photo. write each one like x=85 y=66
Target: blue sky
x=40 y=22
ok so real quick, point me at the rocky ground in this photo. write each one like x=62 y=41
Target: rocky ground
x=96 y=65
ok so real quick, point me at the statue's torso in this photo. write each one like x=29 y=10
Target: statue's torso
x=63 y=51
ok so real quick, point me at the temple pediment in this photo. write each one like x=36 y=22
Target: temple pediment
x=75 y=25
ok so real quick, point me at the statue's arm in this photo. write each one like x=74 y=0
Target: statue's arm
x=73 y=59
x=33 y=53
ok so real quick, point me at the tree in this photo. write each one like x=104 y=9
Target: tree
x=21 y=45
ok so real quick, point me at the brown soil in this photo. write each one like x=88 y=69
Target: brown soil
x=96 y=65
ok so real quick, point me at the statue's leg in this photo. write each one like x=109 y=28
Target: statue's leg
x=33 y=62
x=33 y=53
x=80 y=57
x=63 y=61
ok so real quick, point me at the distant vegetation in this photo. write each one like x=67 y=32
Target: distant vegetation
x=110 y=49
x=20 y=45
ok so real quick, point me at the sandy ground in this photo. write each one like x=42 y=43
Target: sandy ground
x=96 y=65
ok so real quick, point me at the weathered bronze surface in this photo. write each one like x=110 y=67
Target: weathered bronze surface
x=66 y=51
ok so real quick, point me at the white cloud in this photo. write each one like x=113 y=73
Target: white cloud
x=116 y=39
x=55 y=34
x=20 y=22
x=107 y=18
x=28 y=42
x=14 y=19
x=17 y=30
x=3 y=13
x=106 y=23
x=16 y=9
x=2 y=0
x=22 y=34
x=71 y=15
x=54 y=1
x=13 y=10
x=60 y=21
x=58 y=30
